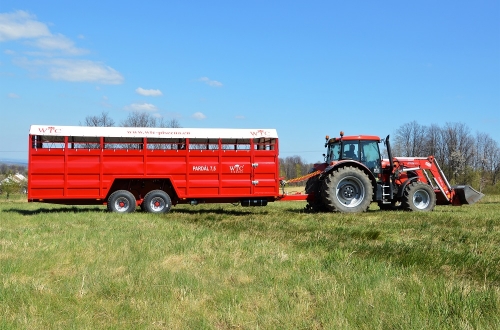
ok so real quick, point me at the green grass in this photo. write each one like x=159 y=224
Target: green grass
x=228 y=267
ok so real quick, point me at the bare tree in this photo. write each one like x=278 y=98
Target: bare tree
x=459 y=150
x=410 y=140
x=172 y=123
x=145 y=119
x=487 y=159
x=495 y=164
x=463 y=157
x=293 y=167
x=140 y=119
x=433 y=145
x=104 y=120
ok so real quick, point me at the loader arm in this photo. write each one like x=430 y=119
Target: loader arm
x=429 y=171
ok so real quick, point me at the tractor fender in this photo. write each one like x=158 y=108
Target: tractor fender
x=344 y=163
x=403 y=186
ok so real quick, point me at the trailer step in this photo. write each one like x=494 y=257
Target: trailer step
x=467 y=195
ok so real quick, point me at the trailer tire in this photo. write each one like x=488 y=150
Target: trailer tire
x=347 y=189
x=313 y=185
x=121 y=201
x=157 y=201
x=419 y=196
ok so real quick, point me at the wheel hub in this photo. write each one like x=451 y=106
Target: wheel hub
x=421 y=199
x=157 y=204
x=348 y=191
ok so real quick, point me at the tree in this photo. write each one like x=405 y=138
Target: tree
x=145 y=119
x=172 y=123
x=12 y=184
x=459 y=150
x=104 y=120
x=433 y=144
x=293 y=167
x=410 y=140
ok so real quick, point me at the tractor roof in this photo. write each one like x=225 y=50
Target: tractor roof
x=353 y=138
x=361 y=137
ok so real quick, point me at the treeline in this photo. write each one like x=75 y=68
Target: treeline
x=294 y=167
x=465 y=158
x=8 y=169
x=134 y=119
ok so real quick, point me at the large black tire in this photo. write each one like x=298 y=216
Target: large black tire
x=121 y=201
x=313 y=186
x=419 y=196
x=156 y=201
x=347 y=189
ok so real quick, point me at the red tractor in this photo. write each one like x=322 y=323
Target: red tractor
x=354 y=175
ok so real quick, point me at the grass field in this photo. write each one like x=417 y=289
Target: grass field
x=228 y=267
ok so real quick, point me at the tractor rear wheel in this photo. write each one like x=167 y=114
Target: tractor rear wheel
x=313 y=186
x=419 y=196
x=347 y=189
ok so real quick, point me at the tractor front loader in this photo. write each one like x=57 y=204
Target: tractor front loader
x=354 y=175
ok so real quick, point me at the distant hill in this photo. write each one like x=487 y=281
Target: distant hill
x=18 y=162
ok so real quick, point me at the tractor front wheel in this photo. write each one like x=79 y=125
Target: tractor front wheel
x=419 y=196
x=347 y=189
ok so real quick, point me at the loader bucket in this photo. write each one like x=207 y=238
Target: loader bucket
x=466 y=194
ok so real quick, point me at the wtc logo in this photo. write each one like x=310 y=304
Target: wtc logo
x=236 y=168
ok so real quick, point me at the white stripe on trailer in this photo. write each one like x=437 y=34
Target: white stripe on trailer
x=138 y=132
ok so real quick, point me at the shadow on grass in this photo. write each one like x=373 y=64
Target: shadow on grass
x=56 y=210
x=104 y=210
x=212 y=211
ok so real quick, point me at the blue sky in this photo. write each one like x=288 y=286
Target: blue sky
x=305 y=68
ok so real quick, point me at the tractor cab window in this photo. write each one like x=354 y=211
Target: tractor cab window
x=370 y=155
x=350 y=150
x=333 y=152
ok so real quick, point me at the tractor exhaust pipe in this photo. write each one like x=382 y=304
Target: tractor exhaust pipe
x=466 y=194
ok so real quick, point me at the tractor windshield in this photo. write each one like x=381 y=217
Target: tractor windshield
x=333 y=152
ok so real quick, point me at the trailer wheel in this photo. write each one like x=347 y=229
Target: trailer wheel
x=419 y=196
x=157 y=201
x=347 y=189
x=121 y=201
x=313 y=185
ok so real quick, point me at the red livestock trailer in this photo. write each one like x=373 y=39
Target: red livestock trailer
x=154 y=168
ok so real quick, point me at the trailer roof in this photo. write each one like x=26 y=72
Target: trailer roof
x=156 y=132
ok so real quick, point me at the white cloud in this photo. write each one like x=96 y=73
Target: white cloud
x=20 y=25
x=145 y=107
x=212 y=83
x=72 y=70
x=83 y=71
x=58 y=43
x=148 y=92
x=241 y=117
x=13 y=96
x=198 y=116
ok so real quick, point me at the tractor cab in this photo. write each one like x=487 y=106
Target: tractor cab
x=360 y=148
